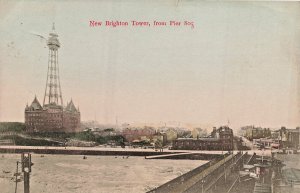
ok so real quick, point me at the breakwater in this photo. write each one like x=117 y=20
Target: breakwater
x=105 y=152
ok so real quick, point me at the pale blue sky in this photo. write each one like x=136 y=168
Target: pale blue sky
x=240 y=62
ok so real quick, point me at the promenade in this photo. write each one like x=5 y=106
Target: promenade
x=112 y=151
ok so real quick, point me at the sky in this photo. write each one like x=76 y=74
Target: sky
x=239 y=65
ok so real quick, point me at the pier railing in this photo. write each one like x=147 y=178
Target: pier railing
x=190 y=178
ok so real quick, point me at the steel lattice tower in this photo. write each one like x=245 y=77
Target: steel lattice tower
x=53 y=95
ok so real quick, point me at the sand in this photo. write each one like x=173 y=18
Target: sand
x=96 y=174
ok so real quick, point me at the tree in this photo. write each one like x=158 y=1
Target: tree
x=158 y=144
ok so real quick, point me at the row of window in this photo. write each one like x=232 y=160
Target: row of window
x=41 y=124
x=48 y=115
x=42 y=121
x=35 y=120
x=51 y=120
x=34 y=115
x=74 y=123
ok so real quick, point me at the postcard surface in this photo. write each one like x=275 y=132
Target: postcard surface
x=149 y=96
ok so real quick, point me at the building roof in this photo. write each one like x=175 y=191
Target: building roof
x=71 y=107
x=35 y=105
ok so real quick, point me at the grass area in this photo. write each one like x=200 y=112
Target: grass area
x=83 y=136
x=53 y=138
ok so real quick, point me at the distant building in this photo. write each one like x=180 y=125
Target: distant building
x=53 y=116
x=131 y=134
x=220 y=139
x=289 y=138
x=265 y=143
x=251 y=132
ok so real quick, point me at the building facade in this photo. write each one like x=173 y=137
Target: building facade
x=52 y=116
x=251 y=132
x=289 y=138
x=131 y=134
x=220 y=139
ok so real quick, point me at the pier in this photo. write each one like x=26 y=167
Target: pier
x=206 y=177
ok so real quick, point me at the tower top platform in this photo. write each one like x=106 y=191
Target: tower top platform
x=53 y=42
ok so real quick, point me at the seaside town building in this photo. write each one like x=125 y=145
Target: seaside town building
x=52 y=116
x=131 y=134
x=289 y=138
x=220 y=139
x=251 y=132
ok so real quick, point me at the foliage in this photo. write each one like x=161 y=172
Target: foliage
x=30 y=142
x=12 y=126
x=54 y=135
x=85 y=136
x=109 y=130
x=118 y=139
x=142 y=143
x=158 y=144
x=58 y=136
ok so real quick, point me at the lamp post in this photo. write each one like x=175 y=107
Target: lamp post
x=26 y=169
x=224 y=167
x=299 y=137
x=17 y=174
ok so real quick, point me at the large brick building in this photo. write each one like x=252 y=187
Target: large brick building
x=53 y=116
